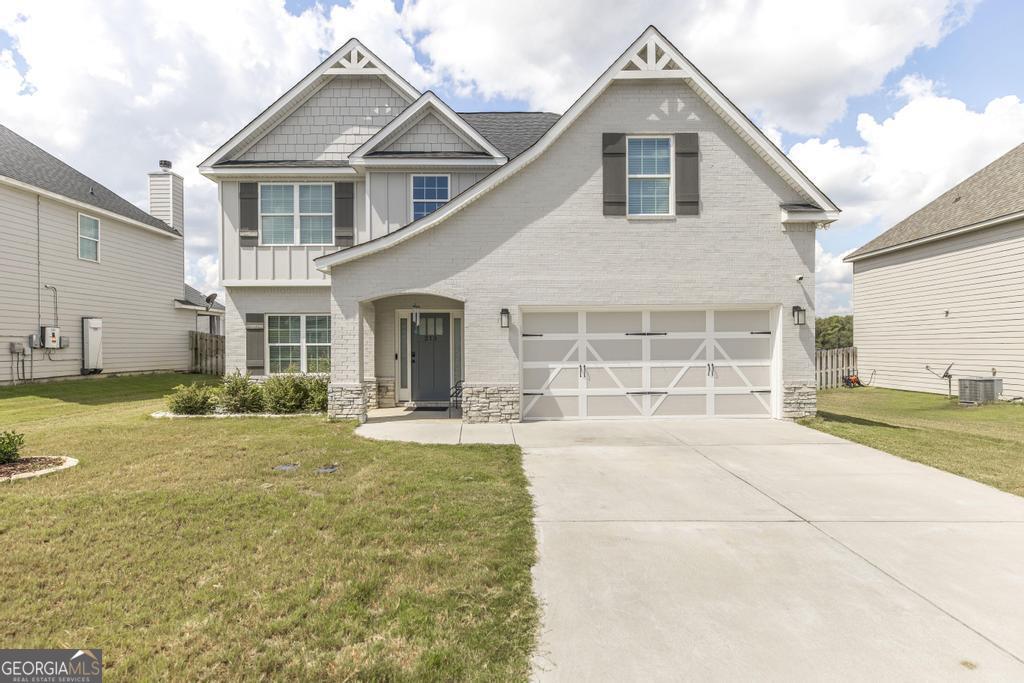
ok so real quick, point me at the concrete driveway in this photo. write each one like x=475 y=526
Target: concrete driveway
x=742 y=549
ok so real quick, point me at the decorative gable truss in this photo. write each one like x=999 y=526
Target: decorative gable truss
x=356 y=62
x=428 y=128
x=352 y=59
x=652 y=60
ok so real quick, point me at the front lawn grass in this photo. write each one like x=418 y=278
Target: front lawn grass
x=984 y=443
x=175 y=548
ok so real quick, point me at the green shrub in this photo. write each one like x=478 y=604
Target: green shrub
x=193 y=399
x=10 y=446
x=239 y=394
x=316 y=386
x=286 y=393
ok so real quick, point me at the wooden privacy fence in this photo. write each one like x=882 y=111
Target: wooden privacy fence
x=831 y=364
x=206 y=352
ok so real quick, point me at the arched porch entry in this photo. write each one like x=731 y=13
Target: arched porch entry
x=418 y=350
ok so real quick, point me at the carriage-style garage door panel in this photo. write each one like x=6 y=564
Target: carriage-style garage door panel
x=646 y=363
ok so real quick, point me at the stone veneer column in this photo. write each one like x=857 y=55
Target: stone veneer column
x=346 y=395
x=799 y=400
x=490 y=403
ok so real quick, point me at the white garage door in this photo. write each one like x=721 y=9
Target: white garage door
x=657 y=363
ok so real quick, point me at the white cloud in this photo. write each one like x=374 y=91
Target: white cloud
x=794 y=63
x=113 y=86
x=833 y=282
x=203 y=273
x=928 y=145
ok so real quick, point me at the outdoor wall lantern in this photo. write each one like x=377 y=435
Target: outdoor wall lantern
x=503 y=316
x=415 y=315
x=799 y=316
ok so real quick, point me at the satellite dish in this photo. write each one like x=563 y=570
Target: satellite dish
x=210 y=299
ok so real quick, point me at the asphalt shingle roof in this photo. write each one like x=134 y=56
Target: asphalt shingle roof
x=27 y=163
x=512 y=132
x=194 y=297
x=994 y=191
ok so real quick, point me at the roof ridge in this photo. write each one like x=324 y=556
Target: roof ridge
x=94 y=184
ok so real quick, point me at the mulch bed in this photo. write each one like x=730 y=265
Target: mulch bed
x=23 y=465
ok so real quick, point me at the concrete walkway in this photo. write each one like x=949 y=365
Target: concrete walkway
x=761 y=550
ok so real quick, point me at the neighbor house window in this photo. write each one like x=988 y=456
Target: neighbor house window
x=298 y=343
x=429 y=193
x=649 y=176
x=296 y=214
x=88 y=238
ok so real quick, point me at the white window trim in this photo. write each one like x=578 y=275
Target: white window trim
x=671 y=177
x=296 y=215
x=78 y=244
x=303 y=344
x=412 y=202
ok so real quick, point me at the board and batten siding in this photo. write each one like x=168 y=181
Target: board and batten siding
x=901 y=300
x=277 y=263
x=132 y=288
x=391 y=200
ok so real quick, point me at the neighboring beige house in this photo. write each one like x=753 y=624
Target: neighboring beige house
x=648 y=253
x=78 y=257
x=944 y=286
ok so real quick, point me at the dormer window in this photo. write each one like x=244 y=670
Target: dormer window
x=429 y=193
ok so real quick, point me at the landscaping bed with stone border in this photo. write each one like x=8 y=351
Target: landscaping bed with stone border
x=35 y=466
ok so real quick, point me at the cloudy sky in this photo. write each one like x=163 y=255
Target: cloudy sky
x=884 y=104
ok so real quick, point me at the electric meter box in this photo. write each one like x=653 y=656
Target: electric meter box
x=51 y=337
x=92 y=346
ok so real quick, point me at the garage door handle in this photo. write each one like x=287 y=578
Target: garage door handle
x=533 y=393
x=760 y=332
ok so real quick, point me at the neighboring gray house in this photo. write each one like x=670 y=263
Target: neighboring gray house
x=944 y=286
x=77 y=256
x=648 y=253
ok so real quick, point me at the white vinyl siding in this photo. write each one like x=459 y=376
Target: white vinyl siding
x=132 y=288
x=956 y=301
x=649 y=166
x=88 y=238
x=298 y=343
x=300 y=214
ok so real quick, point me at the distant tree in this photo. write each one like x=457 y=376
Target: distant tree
x=833 y=332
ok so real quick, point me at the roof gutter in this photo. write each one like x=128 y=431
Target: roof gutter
x=90 y=208
x=991 y=222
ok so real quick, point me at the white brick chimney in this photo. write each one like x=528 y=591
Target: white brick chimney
x=167 y=196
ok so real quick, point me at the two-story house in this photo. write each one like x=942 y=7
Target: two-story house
x=648 y=253
x=89 y=282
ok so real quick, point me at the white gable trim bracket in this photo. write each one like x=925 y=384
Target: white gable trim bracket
x=647 y=62
x=428 y=103
x=652 y=60
x=351 y=59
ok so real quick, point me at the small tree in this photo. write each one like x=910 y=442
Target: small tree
x=834 y=332
x=10 y=446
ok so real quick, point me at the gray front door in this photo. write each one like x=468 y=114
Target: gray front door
x=431 y=357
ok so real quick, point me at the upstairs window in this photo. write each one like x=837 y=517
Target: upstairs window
x=649 y=176
x=296 y=214
x=429 y=193
x=88 y=238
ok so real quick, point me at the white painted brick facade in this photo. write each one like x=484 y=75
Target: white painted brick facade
x=241 y=300
x=332 y=123
x=540 y=238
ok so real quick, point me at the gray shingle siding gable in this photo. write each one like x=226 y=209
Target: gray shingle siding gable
x=27 y=163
